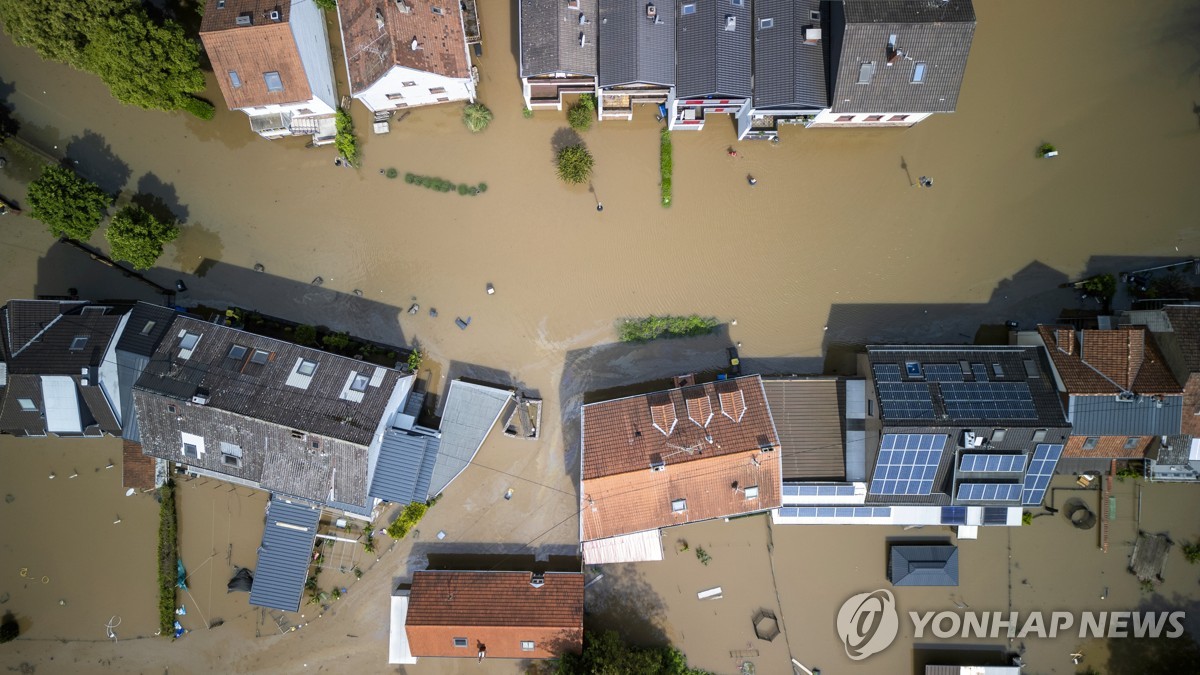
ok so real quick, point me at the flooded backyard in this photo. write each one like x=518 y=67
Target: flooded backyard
x=833 y=246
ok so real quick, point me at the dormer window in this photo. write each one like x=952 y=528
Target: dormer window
x=79 y=343
x=148 y=327
x=359 y=383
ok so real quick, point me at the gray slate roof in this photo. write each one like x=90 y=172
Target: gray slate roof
x=712 y=60
x=787 y=72
x=921 y=566
x=405 y=466
x=633 y=48
x=938 y=34
x=550 y=37
x=470 y=412
x=147 y=326
x=283 y=558
x=1105 y=416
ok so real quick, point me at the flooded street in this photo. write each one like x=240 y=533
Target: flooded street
x=834 y=245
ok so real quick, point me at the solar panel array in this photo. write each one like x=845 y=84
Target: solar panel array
x=907 y=464
x=818 y=490
x=954 y=515
x=905 y=400
x=980 y=372
x=886 y=372
x=995 y=515
x=943 y=372
x=835 y=511
x=989 y=492
x=989 y=400
x=997 y=463
x=1041 y=468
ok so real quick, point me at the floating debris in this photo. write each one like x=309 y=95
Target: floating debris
x=414 y=309
x=463 y=324
x=258 y=267
x=491 y=290
x=358 y=292
x=508 y=494
x=433 y=312
x=317 y=281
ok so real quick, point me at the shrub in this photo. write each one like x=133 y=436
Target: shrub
x=575 y=164
x=137 y=237
x=9 y=628
x=579 y=117
x=305 y=334
x=665 y=165
x=483 y=187
x=652 y=327
x=345 y=141
x=391 y=172
x=1103 y=286
x=408 y=519
x=463 y=189
x=167 y=557
x=336 y=341
x=526 y=113
x=69 y=205
x=409 y=178
x=1127 y=472
x=199 y=107
x=414 y=360
x=1191 y=552
x=1027 y=518
x=328 y=5
x=703 y=556
x=476 y=117
x=369 y=542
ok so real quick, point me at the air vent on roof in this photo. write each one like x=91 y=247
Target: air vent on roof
x=730 y=23
x=537 y=579
x=403 y=7
x=657 y=463
x=244 y=20
x=651 y=11
x=1126 y=397
x=200 y=397
x=275 y=15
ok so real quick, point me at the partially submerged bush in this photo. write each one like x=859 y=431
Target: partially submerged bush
x=652 y=327
x=407 y=520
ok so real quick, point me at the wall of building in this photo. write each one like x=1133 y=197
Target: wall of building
x=417 y=93
x=107 y=378
x=308 y=29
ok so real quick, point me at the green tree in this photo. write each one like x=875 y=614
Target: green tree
x=579 y=117
x=143 y=63
x=345 y=141
x=69 y=205
x=477 y=117
x=575 y=164
x=305 y=334
x=137 y=237
x=328 y=5
x=607 y=654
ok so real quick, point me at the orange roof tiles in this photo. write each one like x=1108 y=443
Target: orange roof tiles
x=706 y=443
x=1107 y=447
x=265 y=46
x=627 y=434
x=137 y=469
x=380 y=35
x=496 y=611
x=1108 y=361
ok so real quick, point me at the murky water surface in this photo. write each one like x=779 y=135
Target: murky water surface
x=833 y=245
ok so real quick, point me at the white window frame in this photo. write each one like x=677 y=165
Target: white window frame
x=303 y=363
x=463 y=640
x=678 y=505
x=751 y=492
x=27 y=404
x=191 y=439
x=528 y=645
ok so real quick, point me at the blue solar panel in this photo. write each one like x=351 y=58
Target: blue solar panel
x=835 y=511
x=988 y=400
x=1041 y=468
x=818 y=490
x=997 y=463
x=907 y=464
x=993 y=515
x=905 y=400
x=989 y=492
x=886 y=372
x=954 y=515
x=943 y=372
x=979 y=371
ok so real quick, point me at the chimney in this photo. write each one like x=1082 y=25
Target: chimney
x=537 y=579
x=200 y=397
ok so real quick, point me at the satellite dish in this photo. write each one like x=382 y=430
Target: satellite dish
x=130 y=492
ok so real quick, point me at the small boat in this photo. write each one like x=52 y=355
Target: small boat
x=461 y=323
x=8 y=208
x=414 y=309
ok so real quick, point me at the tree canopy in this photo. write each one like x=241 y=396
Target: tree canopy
x=137 y=237
x=69 y=205
x=477 y=117
x=143 y=62
x=575 y=164
x=606 y=654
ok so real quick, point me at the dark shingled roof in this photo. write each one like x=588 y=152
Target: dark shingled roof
x=1185 y=323
x=147 y=326
x=713 y=60
x=635 y=49
x=923 y=566
x=787 y=72
x=550 y=37
x=937 y=34
x=808 y=414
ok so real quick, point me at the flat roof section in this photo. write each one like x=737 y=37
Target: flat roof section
x=808 y=415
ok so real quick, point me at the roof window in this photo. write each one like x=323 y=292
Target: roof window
x=260 y=357
x=738 y=3
x=148 y=327
x=526 y=645
x=1091 y=442
x=460 y=642
x=751 y=492
x=359 y=383
x=689 y=8
x=306 y=368
x=764 y=24
x=237 y=352
x=918 y=73
x=1132 y=442
x=79 y=343
x=865 y=72
x=27 y=404
x=235 y=80
x=678 y=505
x=274 y=83
x=189 y=340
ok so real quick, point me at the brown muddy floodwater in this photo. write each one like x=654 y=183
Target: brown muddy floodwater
x=834 y=245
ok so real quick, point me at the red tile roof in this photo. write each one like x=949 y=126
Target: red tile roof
x=1108 y=361
x=137 y=468
x=496 y=609
x=373 y=49
x=264 y=46
x=628 y=434
x=1107 y=447
x=713 y=487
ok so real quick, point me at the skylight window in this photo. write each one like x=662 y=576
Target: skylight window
x=79 y=343
x=752 y=492
x=918 y=73
x=148 y=327
x=738 y=3
x=237 y=352
x=678 y=505
x=27 y=404
x=689 y=8
x=865 y=72
x=260 y=357
x=360 y=383
x=307 y=368
x=764 y=24
x=460 y=642
x=191 y=450
x=189 y=341
x=234 y=79
x=274 y=83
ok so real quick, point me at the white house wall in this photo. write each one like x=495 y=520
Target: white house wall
x=108 y=376
x=417 y=93
x=828 y=118
x=308 y=30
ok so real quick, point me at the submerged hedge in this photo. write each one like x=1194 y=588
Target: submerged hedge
x=665 y=165
x=652 y=327
x=168 y=554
